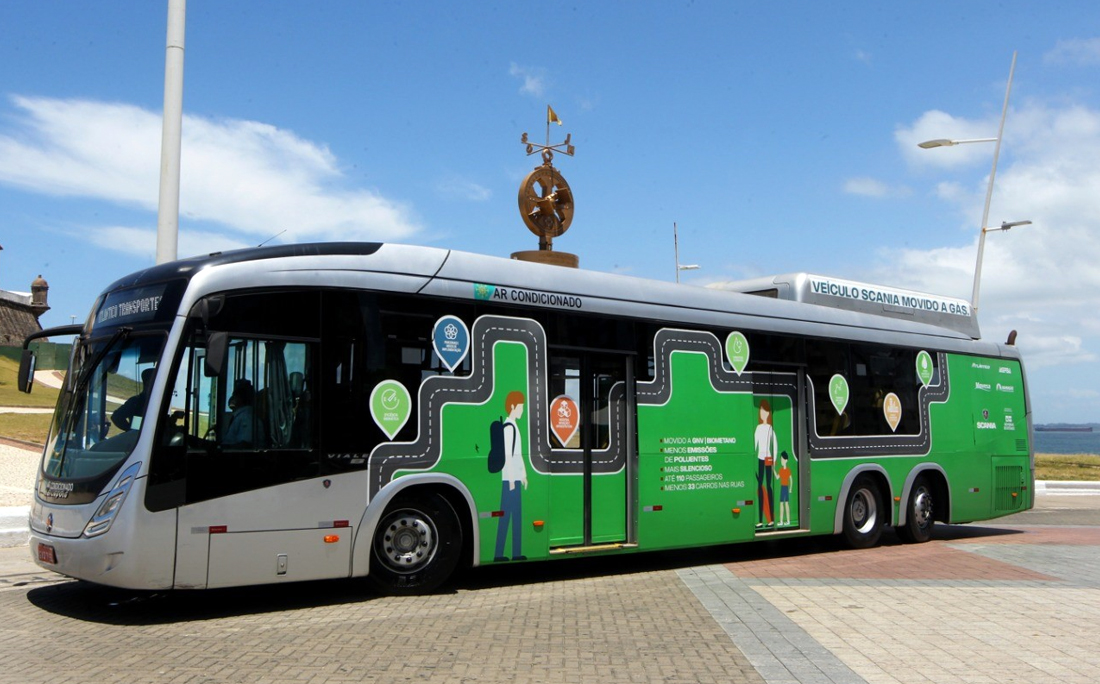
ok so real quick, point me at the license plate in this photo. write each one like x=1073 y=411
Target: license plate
x=46 y=554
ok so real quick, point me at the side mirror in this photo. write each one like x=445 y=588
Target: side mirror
x=214 y=362
x=209 y=307
x=27 y=363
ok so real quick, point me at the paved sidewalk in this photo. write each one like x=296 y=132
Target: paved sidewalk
x=18 y=466
x=989 y=603
x=17 y=471
x=1018 y=605
x=977 y=605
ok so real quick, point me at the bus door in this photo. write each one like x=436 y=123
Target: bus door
x=241 y=464
x=783 y=474
x=592 y=454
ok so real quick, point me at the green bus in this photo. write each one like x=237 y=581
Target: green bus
x=316 y=411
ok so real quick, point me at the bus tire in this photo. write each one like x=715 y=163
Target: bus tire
x=919 y=513
x=863 y=513
x=416 y=545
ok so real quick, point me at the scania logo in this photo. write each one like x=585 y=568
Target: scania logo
x=49 y=522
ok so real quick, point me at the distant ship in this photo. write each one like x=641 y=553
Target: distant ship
x=1066 y=428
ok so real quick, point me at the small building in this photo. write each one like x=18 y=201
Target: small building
x=20 y=311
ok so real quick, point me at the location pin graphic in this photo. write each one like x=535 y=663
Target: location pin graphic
x=891 y=409
x=924 y=367
x=564 y=418
x=838 y=392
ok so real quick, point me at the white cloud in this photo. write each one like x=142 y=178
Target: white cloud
x=533 y=78
x=1044 y=279
x=251 y=177
x=871 y=187
x=1083 y=394
x=1043 y=351
x=142 y=242
x=458 y=188
x=868 y=187
x=1079 y=51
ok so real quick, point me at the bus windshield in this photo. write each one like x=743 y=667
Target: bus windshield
x=100 y=411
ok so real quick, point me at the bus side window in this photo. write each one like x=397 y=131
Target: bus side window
x=269 y=408
x=825 y=358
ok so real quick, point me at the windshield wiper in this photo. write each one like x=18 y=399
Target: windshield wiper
x=75 y=395
x=86 y=375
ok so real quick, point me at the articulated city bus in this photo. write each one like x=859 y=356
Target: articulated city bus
x=373 y=410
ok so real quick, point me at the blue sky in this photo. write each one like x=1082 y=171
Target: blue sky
x=780 y=137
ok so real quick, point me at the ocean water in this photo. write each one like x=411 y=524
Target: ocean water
x=1067 y=442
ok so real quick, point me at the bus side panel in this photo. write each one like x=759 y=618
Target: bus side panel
x=978 y=437
x=697 y=468
x=998 y=428
x=465 y=435
x=985 y=427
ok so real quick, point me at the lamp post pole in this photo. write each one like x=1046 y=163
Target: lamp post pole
x=941 y=142
x=676 y=248
x=989 y=193
x=168 y=208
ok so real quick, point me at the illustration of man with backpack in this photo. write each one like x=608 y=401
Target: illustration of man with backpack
x=506 y=457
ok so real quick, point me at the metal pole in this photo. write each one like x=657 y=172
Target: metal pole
x=168 y=208
x=989 y=193
x=676 y=247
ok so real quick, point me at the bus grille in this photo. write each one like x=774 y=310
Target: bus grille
x=1008 y=487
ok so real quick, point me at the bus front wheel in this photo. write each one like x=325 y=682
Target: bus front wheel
x=416 y=545
x=863 y=514
x=919 y=514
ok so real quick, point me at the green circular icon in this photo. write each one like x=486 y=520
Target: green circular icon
x=924 y=367
x=838 y=392
x=737 y=349
x=390 y=406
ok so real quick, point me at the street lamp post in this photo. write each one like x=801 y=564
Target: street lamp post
x=941 y=142
x=676 y=247
x=168 y=206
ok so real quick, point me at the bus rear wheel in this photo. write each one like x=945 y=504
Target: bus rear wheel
x=416 y=545
x=862 y=514
x=919 y=514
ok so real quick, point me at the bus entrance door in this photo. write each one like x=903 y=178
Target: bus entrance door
x=589 y=454
x=779 y=444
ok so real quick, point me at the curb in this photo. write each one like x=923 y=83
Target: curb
x=13 y=525
x=22 y=444
x=1067 y=487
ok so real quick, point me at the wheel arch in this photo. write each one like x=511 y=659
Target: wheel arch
x=886 y=491
x=941 y=491
x=448 y=486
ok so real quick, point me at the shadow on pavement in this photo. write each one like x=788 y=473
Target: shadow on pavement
x=107 y=605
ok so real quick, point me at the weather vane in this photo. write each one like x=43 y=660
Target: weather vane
x=545 y=200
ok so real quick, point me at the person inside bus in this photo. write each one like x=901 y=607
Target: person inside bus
x=134 y=407
x=238 y=433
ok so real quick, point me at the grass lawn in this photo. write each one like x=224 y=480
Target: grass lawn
x=29 y=427
x=1067 y=467
x=9 y=389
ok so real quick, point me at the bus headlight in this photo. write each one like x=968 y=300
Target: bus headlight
x=101 y=521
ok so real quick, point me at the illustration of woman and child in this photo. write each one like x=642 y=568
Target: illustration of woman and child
x=766 y=445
